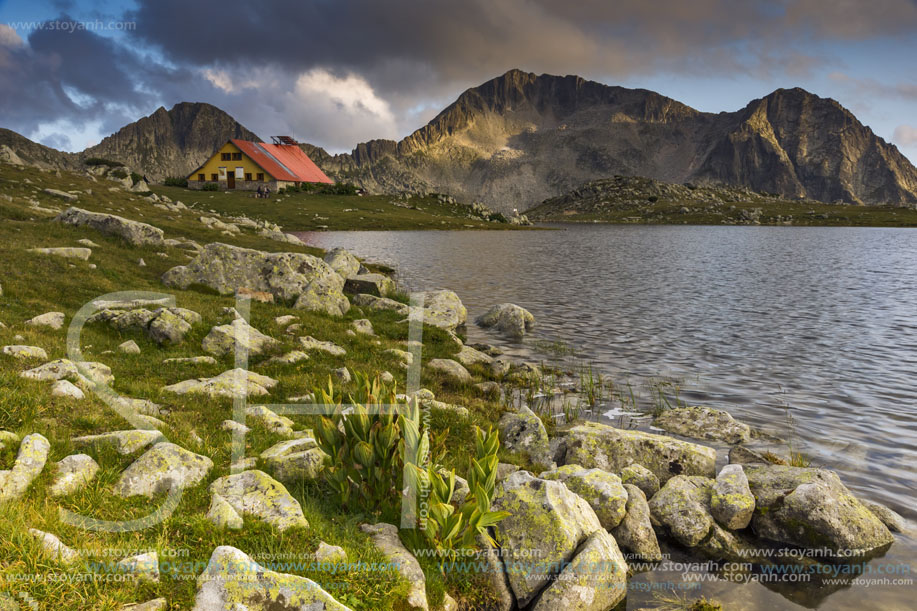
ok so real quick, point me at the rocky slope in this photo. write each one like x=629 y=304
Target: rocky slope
x=521 y=138
x=171 y=142
x=32 y=153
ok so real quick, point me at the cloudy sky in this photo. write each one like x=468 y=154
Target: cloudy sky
x=337 y=72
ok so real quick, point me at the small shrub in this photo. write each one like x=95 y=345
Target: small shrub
x=211 y=186
x=175 y=181
x=652 y=199
x=135 y=177
x=340 y=188
x=119 y=173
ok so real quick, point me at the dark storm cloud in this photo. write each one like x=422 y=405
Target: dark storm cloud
x=413 y=45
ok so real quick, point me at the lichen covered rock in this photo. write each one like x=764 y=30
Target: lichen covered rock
x=604 y=447
x=453 y=370
x=508 y=318
x=163 y=468
x=522 y=431
x=547 y=524
x=732 y=503
x=642 y=478
x=298 y=466
x=72 y=473
x=29 y=463
x=232 y=383
x=258 y=494
x=122 y=442
x=132 y=232
x=703 y=423
x=233 y=581
x=601 y=489
x=224 y=339
x=635 y=532
x=385 y=537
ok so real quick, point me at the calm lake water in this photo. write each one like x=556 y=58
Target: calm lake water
x=817 y=323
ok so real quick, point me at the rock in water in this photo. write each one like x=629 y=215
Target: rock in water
x=703 y=423
x=33 y=454
x=595 y=580
x=635 y=532
x=732 y=503
x=811 y=508
x=604 y=447
x=133 y=232
x=163 y=468
x=546 y=526
x=233 y=581
x=287 y=276
x=601 y=489
x=508 y=318
x=443 y=308
x=385 y=537
x=258 y=494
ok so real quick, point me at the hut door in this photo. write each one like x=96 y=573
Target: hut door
x=231 y=181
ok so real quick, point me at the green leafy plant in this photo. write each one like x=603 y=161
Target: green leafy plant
x=363 y=445
x=210 y=186
x=449 y=528
x=100 y=161
x=175 y=181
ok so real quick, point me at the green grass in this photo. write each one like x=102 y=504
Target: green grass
x=773 y=212
x=33 y=284
x=315 y=211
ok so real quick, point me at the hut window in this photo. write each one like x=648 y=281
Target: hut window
x=248 y=176
x=261 y=176
x=237 y=157
x=201 y=177
x=225 y=156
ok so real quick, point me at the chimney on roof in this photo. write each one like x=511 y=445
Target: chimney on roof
x=284 y=140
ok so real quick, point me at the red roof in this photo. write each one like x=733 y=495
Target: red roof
x=283 y=161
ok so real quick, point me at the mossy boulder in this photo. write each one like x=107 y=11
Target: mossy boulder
x=546 y=526
x=642 y=478
x=508 y=318
x=232 y=383
x=30 y=461
x=601 y=489
x=595 y=580
x=703 y=423
x=233 y=581
x=604 y=447
x=123 y=442
x=296 y=467
x=811 y=508
x=71 y=473
x=342 y=262
x=132 y=232
x=442 y=308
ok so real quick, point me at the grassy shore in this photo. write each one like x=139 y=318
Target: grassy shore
x=33 y=284
x=320 y=211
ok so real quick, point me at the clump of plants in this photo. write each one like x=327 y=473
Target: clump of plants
x=210 y=186
x=92 y=161
x=176 y=181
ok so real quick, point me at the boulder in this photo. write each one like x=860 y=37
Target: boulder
x=257 y=493
x=163 y=468
x=165 y=326
x=811 y=508
x=224 y=339
x=232 y=383
x=546 y=526
x=55 y=320
x=25 y=352
x=129 y=347
x=290 y=358
x=72 y=473
x=65 y=252
x=122 y=442
x=285 y=320
x=285 y=448
x=508 y=318
x=453 y=370
x=298 y=466
x=191 y=360
x=133 y=232
x=732 y=503
x=379 y=285
x=342 y=262
x=601 y=489
x=53 y=548
x=443 y=309
x=233 y=581
x=381 y=304
x=270 y=420
x=522 y=431
x=385 y=537
x=680 y=506
x=892 y=520
x=143 y=567
x=595 y=580
x=363 y=326
x=642 y=478
x=63 y=369
x=29 y=463
x=635 y=532
x=468 y=356
x=743 y=455
x=329 y=553
x=70 y=197
x=406 y=358
x=287 y=276
x=604 y=447
x=222 y=515
x=703 y=423
x=309 y=344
